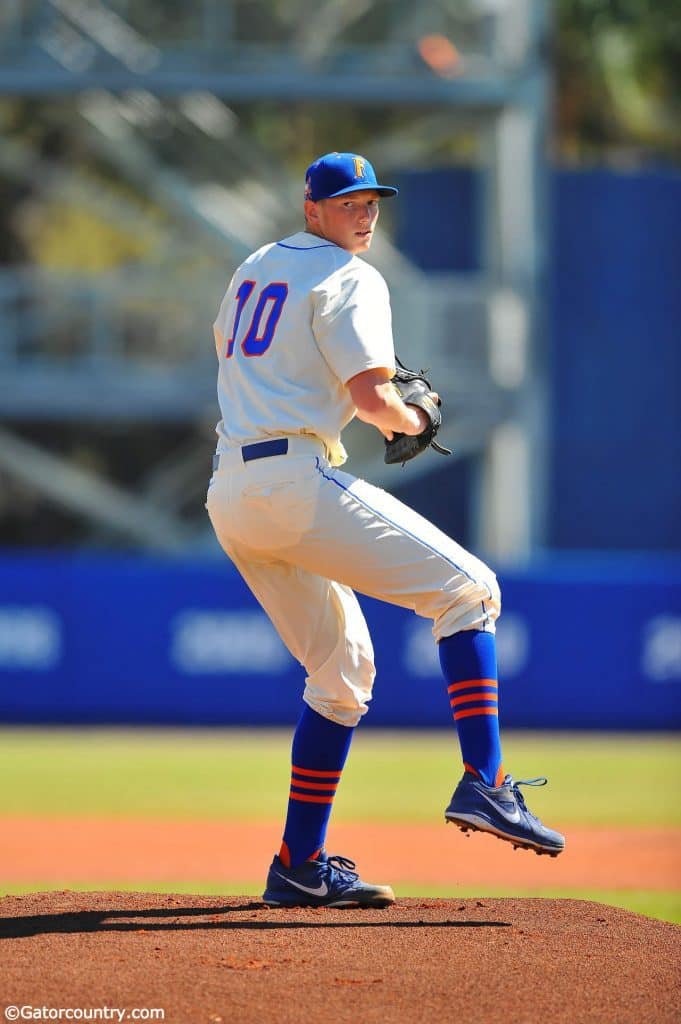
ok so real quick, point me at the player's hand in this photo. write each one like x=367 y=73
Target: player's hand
x=423 y=418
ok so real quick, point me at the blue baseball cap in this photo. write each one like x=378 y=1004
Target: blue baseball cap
x=339 y=173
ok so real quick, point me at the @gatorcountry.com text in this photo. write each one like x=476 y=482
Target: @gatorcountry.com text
x=113 y=1013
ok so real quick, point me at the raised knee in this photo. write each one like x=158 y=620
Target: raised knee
x=472 y=604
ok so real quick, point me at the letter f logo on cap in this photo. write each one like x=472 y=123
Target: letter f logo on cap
x=359 y=166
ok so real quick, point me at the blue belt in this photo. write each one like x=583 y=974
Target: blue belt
x=259 y=450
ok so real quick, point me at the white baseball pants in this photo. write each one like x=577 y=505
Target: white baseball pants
x=305 y=535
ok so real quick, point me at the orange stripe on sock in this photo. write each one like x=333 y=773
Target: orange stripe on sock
x=321 y=775
x=472 y=682
x=285 y=855
x=498 y=778
x=308 y=798
x=314 y=785
x=468 y=698
x=469 y=712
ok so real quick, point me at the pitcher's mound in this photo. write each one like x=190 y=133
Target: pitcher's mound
x=231 y=959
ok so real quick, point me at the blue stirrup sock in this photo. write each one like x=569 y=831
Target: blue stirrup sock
x=320 y=748
x=469 y=664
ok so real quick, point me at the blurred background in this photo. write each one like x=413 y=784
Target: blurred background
x=534 y=260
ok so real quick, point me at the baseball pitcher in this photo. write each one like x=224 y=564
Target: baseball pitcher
x=304 y=343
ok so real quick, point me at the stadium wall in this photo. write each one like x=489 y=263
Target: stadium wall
x=584 y=643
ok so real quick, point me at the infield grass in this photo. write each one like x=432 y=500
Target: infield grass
x=594 y=779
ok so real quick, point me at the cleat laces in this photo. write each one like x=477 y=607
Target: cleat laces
x=344 y=867
x=540 y=780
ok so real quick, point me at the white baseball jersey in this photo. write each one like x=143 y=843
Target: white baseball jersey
x=300 y=318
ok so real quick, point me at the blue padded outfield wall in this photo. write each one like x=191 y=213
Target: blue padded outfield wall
x=582 y=644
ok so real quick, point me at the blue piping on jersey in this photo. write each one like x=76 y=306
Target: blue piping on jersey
x=382 y=516
x=305 y=248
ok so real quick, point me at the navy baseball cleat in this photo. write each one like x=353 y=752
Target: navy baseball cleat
x=501 y=810
x=323 y=882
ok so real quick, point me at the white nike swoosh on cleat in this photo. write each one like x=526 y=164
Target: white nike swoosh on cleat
x=513 y=819
x=320 y=890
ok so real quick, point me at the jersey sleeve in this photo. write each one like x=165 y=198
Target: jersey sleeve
x=352 y=321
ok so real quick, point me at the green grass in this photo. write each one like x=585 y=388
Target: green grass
x=593 y=779
x=665 y=906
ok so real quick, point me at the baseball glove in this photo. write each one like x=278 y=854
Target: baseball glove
x=414 y=389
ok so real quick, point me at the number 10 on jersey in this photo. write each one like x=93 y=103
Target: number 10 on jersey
x=268 y=307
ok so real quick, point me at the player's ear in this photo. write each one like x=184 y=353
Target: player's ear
x=311 y=211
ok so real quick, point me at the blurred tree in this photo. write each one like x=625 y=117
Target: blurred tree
x=62 y=236
x=618 y=78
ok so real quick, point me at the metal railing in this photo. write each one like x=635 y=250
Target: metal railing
x=124 y=27
x=462 y=51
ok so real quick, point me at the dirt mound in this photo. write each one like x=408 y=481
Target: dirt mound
x=231 y=959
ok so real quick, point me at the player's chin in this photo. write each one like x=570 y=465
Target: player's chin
x=363 y=240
